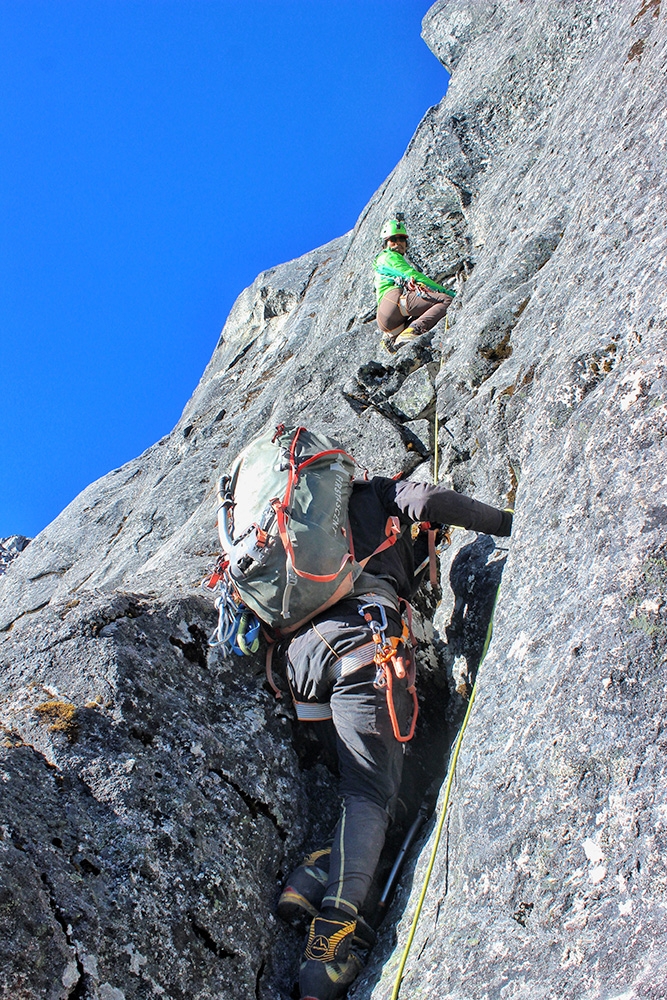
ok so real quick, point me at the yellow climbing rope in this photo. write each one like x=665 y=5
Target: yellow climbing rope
x=443 y=813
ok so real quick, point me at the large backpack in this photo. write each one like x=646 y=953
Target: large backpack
x=282 y=520
x=287 y=549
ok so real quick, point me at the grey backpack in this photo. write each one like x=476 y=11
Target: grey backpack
x=282 y=520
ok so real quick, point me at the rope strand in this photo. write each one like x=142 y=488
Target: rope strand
x=443 y=814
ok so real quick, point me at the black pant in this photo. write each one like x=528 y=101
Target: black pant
x=370 y=759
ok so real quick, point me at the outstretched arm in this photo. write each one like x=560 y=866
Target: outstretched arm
x=424 y=502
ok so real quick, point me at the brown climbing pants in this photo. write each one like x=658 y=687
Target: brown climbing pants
x=419 y=309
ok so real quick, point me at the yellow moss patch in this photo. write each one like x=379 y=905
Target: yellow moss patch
x=514 y=482
x=60 y=714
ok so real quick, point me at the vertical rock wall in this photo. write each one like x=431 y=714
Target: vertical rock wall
x=551 y=880
x=152 y=796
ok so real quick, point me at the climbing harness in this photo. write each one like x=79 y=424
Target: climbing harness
x=385 y=659
x=443 y=813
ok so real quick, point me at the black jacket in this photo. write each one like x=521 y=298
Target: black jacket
x=374 y=501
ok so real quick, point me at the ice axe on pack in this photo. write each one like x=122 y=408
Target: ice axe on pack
x=225 y=504
x=425 y=812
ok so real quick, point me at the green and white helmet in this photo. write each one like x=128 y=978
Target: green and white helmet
x=393 y=227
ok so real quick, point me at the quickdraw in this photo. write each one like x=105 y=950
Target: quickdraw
x=386 y=657
x=238 y=628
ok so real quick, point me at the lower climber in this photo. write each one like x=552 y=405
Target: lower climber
x=409 y=302
x=339 y=682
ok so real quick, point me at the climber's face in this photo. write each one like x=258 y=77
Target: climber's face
x=398 y=243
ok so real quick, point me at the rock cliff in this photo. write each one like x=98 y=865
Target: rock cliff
x=10 y=548
x=153 y=794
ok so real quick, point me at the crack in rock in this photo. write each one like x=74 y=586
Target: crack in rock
x=209 y=942
x=255 y=806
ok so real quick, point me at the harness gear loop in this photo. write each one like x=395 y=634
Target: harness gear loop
x=238 y=627
x=386 y=658
x=270 y=646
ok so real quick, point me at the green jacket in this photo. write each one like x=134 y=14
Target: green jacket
x=393 y=269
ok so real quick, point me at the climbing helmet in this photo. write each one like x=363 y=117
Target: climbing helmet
x=393 y=227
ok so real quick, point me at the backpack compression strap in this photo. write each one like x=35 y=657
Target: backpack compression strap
x=281 y=508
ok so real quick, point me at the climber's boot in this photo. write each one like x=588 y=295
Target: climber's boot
x=406 y=337
x=302 y=896
x=388 y=343
x=304 y=890
x=329 y=966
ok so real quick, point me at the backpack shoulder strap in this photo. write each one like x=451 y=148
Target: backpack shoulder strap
x=392 y=532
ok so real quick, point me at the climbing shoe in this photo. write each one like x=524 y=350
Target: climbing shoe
x=304 y=890
x=329 y=966
x=388 y=343
x=406 y=337
x=302 y=896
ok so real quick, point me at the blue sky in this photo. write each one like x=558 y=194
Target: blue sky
x=155 y=156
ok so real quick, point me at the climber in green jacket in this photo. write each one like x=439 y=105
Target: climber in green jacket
x=409 y=302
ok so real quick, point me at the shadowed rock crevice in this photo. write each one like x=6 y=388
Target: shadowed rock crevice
x=73 y=978
x=195 y=651
x=206 y=938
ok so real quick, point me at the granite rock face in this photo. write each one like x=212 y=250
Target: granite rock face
x=149 y=799
x=10 y=548
x=153 y=795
